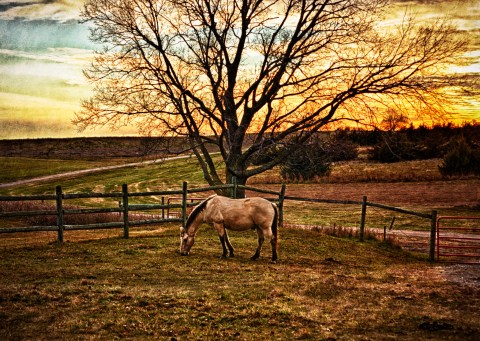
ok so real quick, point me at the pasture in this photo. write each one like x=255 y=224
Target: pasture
x=98 y=285
x=323 y=287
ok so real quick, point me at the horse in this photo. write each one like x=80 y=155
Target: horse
x=224 y=214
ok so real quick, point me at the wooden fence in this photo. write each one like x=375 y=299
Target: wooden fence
x=125 y=208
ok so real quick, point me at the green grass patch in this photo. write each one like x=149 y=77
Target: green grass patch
x=143 y=177
x=140 y=288
x=20 y=168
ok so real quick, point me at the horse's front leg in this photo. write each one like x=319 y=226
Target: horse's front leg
x=229 y=245
x=222 y=240
x=222 y=234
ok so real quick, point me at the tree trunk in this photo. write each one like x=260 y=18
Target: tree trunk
x=239 y=192
x=235 y=175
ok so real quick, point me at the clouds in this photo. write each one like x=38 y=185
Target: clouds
x=57 y=51
x=57 y=10
x=43 y=49
x=30 y=35
x=64 y=55
x=465 y=13
x=457 y=10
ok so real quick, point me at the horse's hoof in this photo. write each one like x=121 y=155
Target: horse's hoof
x=273 y=262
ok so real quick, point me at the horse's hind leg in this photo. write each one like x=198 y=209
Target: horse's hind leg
x=273 y=241
x=261 y=239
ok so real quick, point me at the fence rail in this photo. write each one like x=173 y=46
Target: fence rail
x=125 y=208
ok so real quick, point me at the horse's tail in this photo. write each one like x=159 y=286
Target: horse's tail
x=275 y=225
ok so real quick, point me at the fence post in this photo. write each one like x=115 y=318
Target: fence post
x=58 y=191
x=281 y=199
x=125 y=210
x=364 y=216
x=433 y=236
x=184 y=204
x=163 y=209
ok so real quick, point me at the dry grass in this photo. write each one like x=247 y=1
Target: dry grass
x=368 y=171
x=140 y=288
x=50 y=220
x=364 y=171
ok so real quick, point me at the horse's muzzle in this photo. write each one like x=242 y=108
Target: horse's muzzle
x=184 y=253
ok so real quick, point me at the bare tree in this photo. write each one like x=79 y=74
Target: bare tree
x=394 y=120
x=217 y=70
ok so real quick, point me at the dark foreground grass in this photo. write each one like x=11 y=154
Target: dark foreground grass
x=140 y=288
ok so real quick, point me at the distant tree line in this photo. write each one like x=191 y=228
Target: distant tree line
x=458 y=146
x=412 y=143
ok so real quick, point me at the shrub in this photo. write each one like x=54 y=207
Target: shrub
x=393 y=148
x=360 y=137
x=264 y=155
x=305 y=162
x=341 y=150
x=401 y=146
x=460 y=159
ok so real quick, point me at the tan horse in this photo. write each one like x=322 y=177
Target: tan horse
x=233 y=214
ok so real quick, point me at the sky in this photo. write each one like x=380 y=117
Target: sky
x=44 y=48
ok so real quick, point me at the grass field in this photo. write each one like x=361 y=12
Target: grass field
x=140 y=288
x=141 y=177
x=100 y=286
x=19 y=168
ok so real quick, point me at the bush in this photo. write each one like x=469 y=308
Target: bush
x=305 y=163
x=360 y=137
x=393 y=148
x=264 y=155
x=341 y=150
x=399 y=146
x=460 y=159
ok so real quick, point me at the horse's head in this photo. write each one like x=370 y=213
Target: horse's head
x=187 y=234
x=186 y=242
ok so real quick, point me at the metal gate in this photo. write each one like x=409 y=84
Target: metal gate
x=458 y=239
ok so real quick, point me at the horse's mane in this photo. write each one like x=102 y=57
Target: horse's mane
x=197 y=210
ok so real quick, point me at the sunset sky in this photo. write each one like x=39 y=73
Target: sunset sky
x=43 y=49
